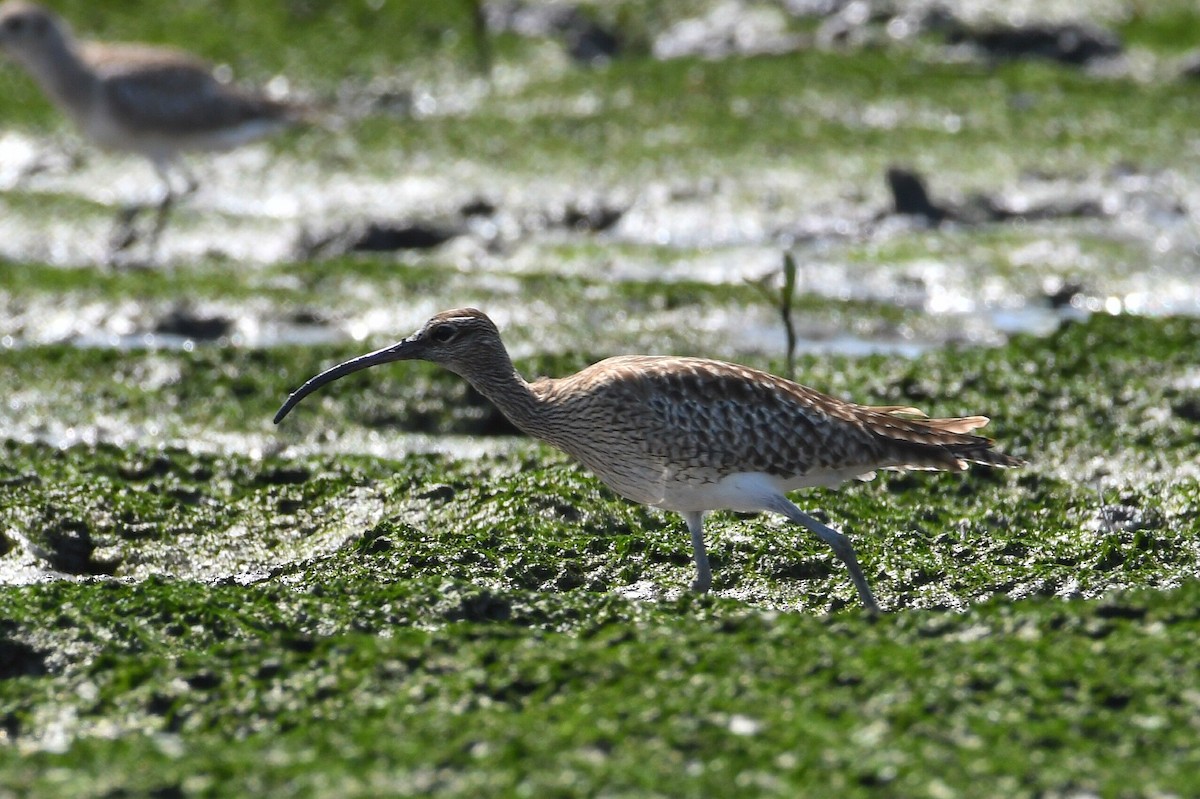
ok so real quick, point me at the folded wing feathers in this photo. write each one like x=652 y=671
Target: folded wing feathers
x=924 y=443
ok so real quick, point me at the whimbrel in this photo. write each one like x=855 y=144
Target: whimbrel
x=152 y=101
x=689 y=434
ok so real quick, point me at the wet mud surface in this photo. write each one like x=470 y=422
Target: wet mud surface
x=992 y=209
x=918 y=221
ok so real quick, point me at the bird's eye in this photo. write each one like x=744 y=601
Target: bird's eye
x=14 y=24
x=442 y=334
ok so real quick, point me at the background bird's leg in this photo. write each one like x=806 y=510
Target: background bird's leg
x=695 y=523
x=163 y=212
x=841 y=547
x=125 y=229
x=124 y=232
x=190 y=183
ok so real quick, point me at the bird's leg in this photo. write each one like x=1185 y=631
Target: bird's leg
x=163 y=211
x=161 y=214
x=841 y=547
x=695 y=523
x=190 y=183
x=124 y=232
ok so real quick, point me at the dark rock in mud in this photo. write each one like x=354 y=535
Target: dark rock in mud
x=283 y=475
x=19 y=659
x=269 y=670
x=440 y=492
x=19 y=480
x=479 y=206
x=1187 y=408
x=589 y=43
x=483 y=606
x=1115 y=608
x=1063 y=294
x=586 y=40
x=909 y=196
x=856 y=24
x=185 y=323
x=582 y=215
x=375 y=237
x=308 y=317
x=1126 y=518
x=1071 y=43
x=144 y=468
x=388 y=237
x=204 y=680
x=1189 y=66
x=378 y=545
x=303 y=644
x=67 y=545
x=591 y=218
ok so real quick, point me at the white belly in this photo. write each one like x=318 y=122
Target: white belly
x=747 y=492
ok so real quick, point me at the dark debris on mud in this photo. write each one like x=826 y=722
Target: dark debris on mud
x=193 y=325
x=70 y=549
x=911 y=197
x=18 y=659
x=375 y=237
x=584 y=214
x=1074 y=44
x=588 y=41
x=737 y=28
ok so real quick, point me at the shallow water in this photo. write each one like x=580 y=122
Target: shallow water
x=256 y=209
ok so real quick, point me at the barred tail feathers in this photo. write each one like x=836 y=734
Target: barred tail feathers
x=913 y=441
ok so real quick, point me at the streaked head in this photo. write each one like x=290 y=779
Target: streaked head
x=463 y=341
x=28 y=31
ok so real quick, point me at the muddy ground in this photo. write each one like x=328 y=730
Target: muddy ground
x=992 y=209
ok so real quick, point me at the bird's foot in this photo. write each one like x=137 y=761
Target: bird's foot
x=125 y=235
x=125 y=231
x=130 y=233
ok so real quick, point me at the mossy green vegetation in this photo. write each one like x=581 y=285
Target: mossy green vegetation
x=817 y=111
x=222 y=689
x=1132 y=373
x=392 y=593
x=504 y=624
x=833 y=112
x=1167 y=27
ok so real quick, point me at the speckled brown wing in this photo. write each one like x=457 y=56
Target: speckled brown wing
x=730 y=418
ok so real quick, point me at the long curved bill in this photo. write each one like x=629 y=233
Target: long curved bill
x=405 y=350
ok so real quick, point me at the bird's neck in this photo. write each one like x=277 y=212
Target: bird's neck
x=65 y=77
x=505 y=388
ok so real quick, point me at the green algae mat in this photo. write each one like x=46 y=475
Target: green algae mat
x=393 y=594
x=502 y=625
